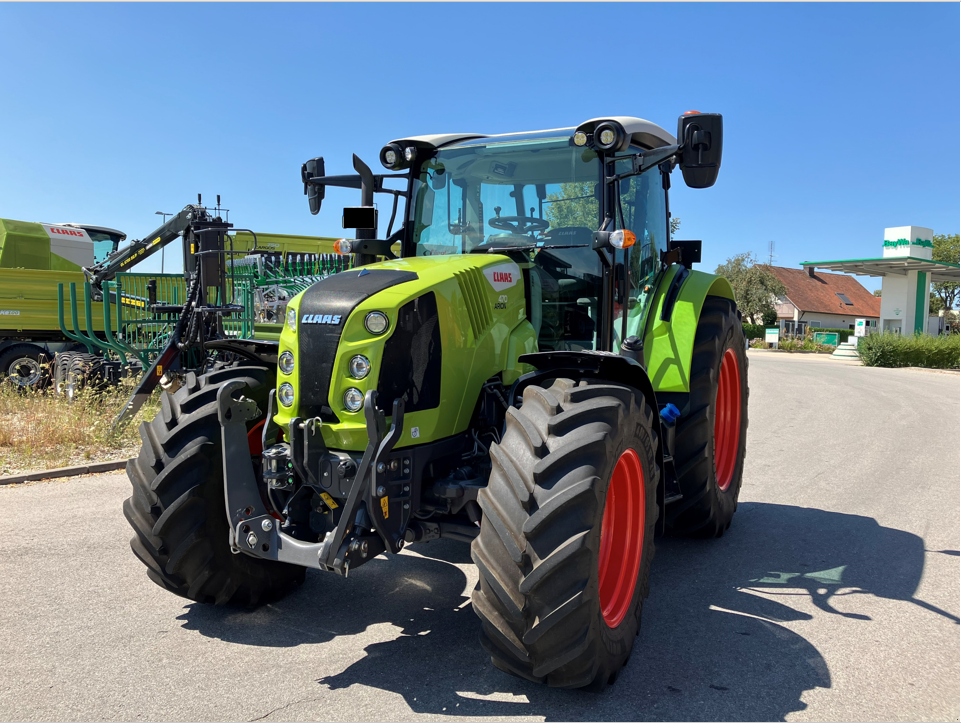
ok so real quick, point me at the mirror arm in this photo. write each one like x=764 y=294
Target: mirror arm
x=641 y=162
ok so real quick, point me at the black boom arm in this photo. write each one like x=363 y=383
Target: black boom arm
x=140 y=249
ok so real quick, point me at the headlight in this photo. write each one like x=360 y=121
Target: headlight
x=292 y=319
x=286 y=362
x=359 y=366
x=610 y=136
x=580 y=138
x=391 y=156
x=410 y=153
x=286 y=394
x=376 y=322
x=353 y=400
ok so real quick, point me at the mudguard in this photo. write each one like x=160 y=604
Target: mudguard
x=669 y=337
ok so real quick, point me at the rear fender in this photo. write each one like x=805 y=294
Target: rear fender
x=669 y=339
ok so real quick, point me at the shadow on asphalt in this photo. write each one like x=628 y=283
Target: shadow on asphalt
x=711 y=646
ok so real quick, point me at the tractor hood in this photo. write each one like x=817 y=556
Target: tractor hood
x=451 y=320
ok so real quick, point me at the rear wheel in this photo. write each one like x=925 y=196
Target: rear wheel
x=177 y=509
x=711 y=436
x=24 y=366
x=566 y=540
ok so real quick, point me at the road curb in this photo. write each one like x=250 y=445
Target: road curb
x=94 y=468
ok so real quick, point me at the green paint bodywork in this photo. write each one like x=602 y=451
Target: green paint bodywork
x=468 y=361
x=25 y=245
x=668 y=345
x=919 y=315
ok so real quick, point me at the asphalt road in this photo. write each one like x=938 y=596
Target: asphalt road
x=834 y=595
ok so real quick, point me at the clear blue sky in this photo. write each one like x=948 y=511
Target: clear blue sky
x=840 y=120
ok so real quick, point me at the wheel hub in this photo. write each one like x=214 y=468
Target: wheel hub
x=727 y=420
x=622 y=538
x=24 y=372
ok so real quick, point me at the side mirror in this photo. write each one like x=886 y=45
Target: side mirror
x=701 y=136
x=315 y=194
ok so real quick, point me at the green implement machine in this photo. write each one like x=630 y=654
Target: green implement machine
x=34 y=259
x=539 y=373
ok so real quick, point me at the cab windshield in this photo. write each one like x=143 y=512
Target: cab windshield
x=541 y=193
x=104 y=244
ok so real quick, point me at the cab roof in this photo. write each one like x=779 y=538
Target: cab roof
x=643 y=133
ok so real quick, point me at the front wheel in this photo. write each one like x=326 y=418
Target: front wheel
x=566 y=539
x=177 y=508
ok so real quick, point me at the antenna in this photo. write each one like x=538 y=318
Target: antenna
x=770 y=253
x=199 y=202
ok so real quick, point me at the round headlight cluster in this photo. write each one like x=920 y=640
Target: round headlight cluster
x=359 y=366
x=393 y=158
x=353 y=400
x=580 y=138
x=286 y=394
x=286 y=362
x=376 y=322
x=610 y=136
x=292 y=319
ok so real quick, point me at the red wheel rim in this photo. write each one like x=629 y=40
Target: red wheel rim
x=727 y=420
x=622 y=538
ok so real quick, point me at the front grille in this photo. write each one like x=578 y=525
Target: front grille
x=472 y=285
x=334 y=297
x=412 y=358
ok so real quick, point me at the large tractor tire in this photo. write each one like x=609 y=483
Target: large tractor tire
x=566 y=539
x=177 y=509
x=710 y=438
x=24 y=366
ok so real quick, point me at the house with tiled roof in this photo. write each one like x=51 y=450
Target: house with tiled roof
x=817 y=300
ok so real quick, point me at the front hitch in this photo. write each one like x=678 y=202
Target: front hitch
x=374 y=516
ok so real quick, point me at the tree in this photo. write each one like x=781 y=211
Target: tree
x=945 y=250
x=675 y=225
x=755 y=288
x=877 y=292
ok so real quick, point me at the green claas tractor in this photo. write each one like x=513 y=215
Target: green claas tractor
x=540 y=374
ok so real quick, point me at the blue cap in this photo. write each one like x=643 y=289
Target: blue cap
x=670 y=413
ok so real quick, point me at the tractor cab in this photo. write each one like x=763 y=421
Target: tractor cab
x=538 y=197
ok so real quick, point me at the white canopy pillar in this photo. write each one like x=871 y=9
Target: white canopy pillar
x=905 y=296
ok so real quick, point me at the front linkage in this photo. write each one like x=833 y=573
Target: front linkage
x=379 y=496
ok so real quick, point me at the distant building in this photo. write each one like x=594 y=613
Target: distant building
x=818 y=300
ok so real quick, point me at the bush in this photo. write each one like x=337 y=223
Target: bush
x=894 y=350
x=754 y=331
x=804 y=345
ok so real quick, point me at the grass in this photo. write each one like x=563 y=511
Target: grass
x=39 y=430
x=894 y=350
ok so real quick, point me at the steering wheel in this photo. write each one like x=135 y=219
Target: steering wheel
x=519 y=225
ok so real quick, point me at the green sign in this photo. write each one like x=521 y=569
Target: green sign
x=923 y=243
x=831 y=338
